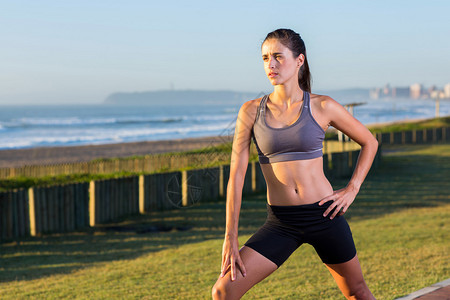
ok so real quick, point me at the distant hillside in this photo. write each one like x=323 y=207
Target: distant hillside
x=179 y=97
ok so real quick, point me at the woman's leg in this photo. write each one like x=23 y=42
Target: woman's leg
x=350 y=279
x=257 y=266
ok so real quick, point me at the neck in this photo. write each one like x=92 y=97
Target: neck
x=286 y=94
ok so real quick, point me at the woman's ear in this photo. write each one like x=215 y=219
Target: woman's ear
x=300 y=60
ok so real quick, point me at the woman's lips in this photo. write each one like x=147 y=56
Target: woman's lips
x=272 y=74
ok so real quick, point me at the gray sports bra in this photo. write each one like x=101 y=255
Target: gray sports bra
x=299 y=141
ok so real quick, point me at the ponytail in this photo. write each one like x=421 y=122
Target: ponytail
x=304 y=76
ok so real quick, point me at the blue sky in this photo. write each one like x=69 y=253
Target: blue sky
x=81 y=51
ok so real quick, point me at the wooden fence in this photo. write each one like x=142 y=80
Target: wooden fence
x=422 y=136
x=71 y=207
x=164 y=162
x=61 y=208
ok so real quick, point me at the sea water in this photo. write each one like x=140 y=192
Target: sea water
x=65 y=125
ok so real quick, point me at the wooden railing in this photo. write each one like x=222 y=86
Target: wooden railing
x=419 y=136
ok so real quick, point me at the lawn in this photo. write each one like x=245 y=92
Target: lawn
x=400 y=223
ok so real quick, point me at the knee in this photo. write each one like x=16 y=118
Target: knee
x=218 y=291
x=360 y=291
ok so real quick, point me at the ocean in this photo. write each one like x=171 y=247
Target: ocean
x=68 y=125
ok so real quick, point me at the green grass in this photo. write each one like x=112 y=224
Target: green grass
x=405 y=126
x=400 y=223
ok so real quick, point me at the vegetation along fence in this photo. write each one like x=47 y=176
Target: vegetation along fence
x=158 y=162
x=71 y=207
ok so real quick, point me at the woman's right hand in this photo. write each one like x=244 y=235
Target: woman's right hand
x=231 y=257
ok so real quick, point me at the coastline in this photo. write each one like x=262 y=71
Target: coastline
x=10 y=158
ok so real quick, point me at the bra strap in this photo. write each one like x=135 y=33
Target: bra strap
x=306 y=97
x=261 y=106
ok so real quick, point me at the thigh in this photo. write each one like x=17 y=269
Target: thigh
x=275 y=241
x=349 y=278
x=257 y=266
x=334 y=244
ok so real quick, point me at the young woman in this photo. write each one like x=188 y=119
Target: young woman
x=288 y=127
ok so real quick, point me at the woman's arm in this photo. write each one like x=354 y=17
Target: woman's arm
x=238 y=168
x=342 y=120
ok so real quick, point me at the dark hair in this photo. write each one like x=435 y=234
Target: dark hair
x=294 y=42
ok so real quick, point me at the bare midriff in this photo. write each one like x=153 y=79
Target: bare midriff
x=296 y=182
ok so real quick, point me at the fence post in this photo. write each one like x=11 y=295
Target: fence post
x=253 y=164
x=221 y=191
x=32 y=211
x=184 y=189
x=141 y=194
x=92 y=199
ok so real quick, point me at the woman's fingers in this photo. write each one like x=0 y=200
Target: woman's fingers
x=235 y=263
x=341 y=201
x=336 y=211
x=329 y=209
x=326 y=199
x=233 y=269
x=241 y=266
x=225 y=265
x=232 y=264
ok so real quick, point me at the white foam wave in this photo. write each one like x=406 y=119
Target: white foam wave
x=108 y=135
x=214 y=117
x=76 y=121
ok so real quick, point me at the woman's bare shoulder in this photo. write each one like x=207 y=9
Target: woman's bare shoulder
x=249 y=108
x=323 y=102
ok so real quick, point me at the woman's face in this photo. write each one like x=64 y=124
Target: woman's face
x=279 y=63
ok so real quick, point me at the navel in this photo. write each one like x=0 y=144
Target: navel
x=296 y=191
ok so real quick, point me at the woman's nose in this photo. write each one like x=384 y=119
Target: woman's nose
x=272 y=62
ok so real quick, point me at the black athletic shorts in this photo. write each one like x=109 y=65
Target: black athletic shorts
x=288 y=227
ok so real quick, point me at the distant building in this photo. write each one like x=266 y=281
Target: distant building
x=402 y=92
x=415 y=91
x=386 y=90
x=375 y=93
x=447 y=90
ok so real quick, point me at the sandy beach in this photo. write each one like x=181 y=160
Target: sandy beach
x=69 y=154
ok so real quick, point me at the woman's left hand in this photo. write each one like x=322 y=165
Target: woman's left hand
x=341 y=201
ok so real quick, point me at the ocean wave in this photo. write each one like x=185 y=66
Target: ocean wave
x=230 y=110
x=151 y=120
x=75 y=121
x=109 y=135
x=214 y=117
